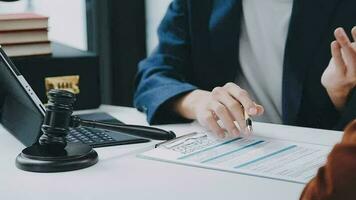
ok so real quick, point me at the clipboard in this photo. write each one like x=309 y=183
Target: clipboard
x=179 y=140
x=254 y=156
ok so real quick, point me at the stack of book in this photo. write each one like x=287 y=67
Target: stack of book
x=24 y=34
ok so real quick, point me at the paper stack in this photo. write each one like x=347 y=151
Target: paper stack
x=24 y=34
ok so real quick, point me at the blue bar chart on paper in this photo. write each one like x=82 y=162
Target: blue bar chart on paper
x=257 y=156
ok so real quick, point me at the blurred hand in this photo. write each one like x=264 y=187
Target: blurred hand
x=350 y=133
x=339 y=78
x=225 y=103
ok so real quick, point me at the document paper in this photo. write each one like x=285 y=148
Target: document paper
x=258 y=156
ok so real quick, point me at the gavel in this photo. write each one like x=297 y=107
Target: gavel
x=53 y=154
x=59 y=118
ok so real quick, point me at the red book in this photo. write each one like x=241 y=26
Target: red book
x=22 y=21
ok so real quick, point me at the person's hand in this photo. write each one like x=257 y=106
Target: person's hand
x=350 y=133
x=225 y=103
x=339 y=78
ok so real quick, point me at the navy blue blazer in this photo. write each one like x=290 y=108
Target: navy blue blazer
x=198 y=48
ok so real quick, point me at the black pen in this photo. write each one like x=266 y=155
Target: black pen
x=248 y=121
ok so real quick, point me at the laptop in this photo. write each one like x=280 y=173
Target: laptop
x=22 y=113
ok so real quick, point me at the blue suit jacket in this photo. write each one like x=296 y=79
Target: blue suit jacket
x=198 y=48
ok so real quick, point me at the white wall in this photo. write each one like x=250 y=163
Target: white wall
x=67 y=18
x=155 y=10
x=11 y=7
x=67 y=23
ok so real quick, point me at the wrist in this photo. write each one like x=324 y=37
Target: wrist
x=339 y=96
x=186 y=105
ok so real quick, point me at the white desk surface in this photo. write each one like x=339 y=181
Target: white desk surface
x=119 y=174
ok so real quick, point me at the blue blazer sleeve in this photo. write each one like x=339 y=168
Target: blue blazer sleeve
x=161 y=77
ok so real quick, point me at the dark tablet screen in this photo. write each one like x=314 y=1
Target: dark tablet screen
x=19 y=113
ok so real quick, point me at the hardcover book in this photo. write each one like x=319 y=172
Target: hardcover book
x=23 y=36
x=27 y=49
x=22 y=21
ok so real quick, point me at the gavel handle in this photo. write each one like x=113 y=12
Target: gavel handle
x=136 y=130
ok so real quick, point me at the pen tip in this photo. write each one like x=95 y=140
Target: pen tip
x=249 y=122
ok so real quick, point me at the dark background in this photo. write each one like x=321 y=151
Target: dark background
x=116 y=32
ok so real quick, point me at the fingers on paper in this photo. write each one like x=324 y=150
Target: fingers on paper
x=224 y=115
x=233 y=107
x=211 y=122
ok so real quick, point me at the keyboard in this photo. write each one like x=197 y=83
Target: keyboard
x=98 y=137
x=89 y=136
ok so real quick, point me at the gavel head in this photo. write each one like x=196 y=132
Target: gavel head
x=57 y=120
